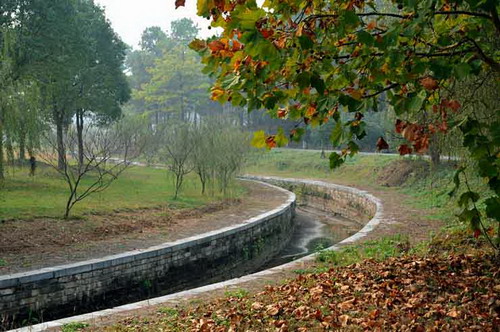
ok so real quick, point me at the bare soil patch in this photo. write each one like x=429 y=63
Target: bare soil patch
x=44 y=242
x=399 y=172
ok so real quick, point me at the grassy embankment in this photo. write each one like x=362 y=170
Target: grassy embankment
x=423 y=188
x=22 y=197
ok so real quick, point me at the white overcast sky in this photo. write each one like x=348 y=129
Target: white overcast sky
x=129 y=18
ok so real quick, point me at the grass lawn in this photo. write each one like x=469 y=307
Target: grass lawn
x=309 y=164
x=138 y=187
x=427 y=189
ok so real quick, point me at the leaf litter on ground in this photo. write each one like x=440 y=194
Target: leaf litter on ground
x=458 y=292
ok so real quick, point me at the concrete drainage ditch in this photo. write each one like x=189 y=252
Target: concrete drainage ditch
x=327 y=214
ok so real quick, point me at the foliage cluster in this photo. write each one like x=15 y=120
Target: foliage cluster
x=310 y=61
x=61 y=92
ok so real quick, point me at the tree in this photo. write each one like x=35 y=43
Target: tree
x=176 y=85
x=311 y=60
x=220 y=148
x=153 y=41
x=177 y=150
x=100 y=84
x=107 y=153
x=184 y=30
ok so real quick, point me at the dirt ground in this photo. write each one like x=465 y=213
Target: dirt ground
x=32 y=244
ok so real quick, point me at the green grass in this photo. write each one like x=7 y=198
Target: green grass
x=73 y=327
x=138 y=187
x=426 y=192
x=237 y=293
x=379 y=250
x=309 y=164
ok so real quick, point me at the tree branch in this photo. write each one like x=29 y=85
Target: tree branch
x=492 y=63
x=463 y=12
x=389 y=87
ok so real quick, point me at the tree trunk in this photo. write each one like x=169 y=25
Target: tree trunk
x=22 y=146
x=10 y=151
x=1 y=147
x=61 y=151
x=434 y=152
x=79 y=130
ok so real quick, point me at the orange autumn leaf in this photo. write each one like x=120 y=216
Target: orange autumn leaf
x=382 y=144
x=180 y=3
x=421 y=144
x=236 y=46
x=454 y=105
x=404 y=150
x=216 y=46
x=400 y=126
x=311 y=111
x=282 y=112
x=411 y=132
x=271 y=142
x=216 y=93
x=267 y=33
x=372 y=25
x=281 y=42
x=429 y=83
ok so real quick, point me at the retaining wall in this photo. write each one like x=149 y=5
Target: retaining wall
x=227 y=253
x=350 y=203
x=359 y=203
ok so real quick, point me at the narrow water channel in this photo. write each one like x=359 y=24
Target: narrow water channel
x=314 y=230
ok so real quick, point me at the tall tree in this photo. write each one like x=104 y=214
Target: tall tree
x=175 y=77
x=101 y=86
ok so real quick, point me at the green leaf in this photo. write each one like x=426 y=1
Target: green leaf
x=259 y=139
x=353 y=148
x=487 y=168
x=303 y=79
x=280 y=138
x=441 y=69
x=366 y=38
x=351 y=103
x=318 y=84
x=337 y=134
x=349 y=17
x=415 y=103
x=493 y=208
x=456 y=181
x=270 y=102
x=336 y=160
x=299 y=132
x=203 y=8
x=468 y=197
x=472 y=217
x=462 y=70
x=248 y=18
x=305 y=42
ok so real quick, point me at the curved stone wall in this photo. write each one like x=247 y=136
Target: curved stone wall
x=358 y=205
x=219 y=255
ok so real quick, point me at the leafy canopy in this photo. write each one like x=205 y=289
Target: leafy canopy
x=310 y=60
